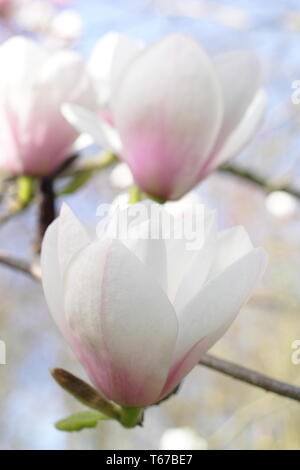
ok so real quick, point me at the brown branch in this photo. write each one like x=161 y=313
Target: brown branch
x=252 y=177
x=47 y=212
x=251 y=377
x=228 y=368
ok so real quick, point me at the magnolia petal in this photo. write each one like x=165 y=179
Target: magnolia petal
x=244 y=131
x=51 y=276
x=149 y=246
x=182 y=252
x=130 y=329
x=195 y=277
x=231 y=244
x=87 y=122
x=17 y=56
x=72 y=236
x=219 y=301
x=172 y=120
x=243 y=69
x=109 y=59
x=179 y=370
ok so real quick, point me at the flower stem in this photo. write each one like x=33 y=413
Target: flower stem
x=135 y=195
x=130 y=417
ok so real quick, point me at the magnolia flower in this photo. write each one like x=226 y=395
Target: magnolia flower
x=140 y=312
x=5 y=7
x=175 y=115
x=34 y=137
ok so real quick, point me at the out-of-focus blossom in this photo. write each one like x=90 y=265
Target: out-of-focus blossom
x=66 y=28
x=34 y=136
x=177 y=113
x=182 y=439
x=281 y=204
x=121 y=177
x=138 y=311
x=33 y=15
x=5 y=7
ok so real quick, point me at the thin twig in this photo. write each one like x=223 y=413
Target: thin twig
x=228 y=368
x=95 y=164
x=252 y=177
x=251 y=377
x=18 y=264
x=7 y=216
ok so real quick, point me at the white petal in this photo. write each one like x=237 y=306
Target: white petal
x=179 y=255
x=168 y=111
x=86 y=121
x=67 y=79
x=20 y=60
x=109 y=59
x=219 y=301
x=151 y=251
x=244 y=131
x=231 y=245
x=72 y=236
x=239 y=73
x=196 y=275
x=51 y=276
x=120 y=313
x=216 y=255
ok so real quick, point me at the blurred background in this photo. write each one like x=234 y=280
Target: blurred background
x=210 y=411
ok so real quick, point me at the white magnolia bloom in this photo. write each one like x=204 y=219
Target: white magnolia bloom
x=139 y=312
x=35 y=138
x=65 y=28
x=173 y=113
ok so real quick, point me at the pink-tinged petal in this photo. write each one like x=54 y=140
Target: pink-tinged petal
x=63 y=77
x=121 y=316
x=34 y=136
x=218 y=301
x=90 y=123
x=168 y=112
x=179 y=370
